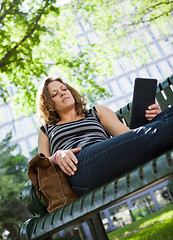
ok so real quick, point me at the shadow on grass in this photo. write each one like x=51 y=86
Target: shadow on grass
x=159 y=231
x=156 y=226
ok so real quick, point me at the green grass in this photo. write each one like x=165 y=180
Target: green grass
x=156 y=226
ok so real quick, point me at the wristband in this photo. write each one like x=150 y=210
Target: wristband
x=56 y=155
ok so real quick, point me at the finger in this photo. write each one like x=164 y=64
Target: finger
x=153 y=106
x=149 y=119
x=65 y=170
x=150 y=115
x=66 y=164
x=73 y=157
x=71 y=165
x=154 y=111
x=70 y=159
x=75 y=150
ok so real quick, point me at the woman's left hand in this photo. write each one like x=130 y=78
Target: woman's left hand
x=152 y=111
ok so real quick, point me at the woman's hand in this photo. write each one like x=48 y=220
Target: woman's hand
x=152 y=111
x=67 y=160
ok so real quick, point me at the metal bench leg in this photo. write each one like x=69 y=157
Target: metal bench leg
x=96 y=228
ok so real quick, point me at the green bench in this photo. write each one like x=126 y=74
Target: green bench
x=88 y=207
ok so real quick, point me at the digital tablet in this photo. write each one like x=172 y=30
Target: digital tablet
x=143 y=96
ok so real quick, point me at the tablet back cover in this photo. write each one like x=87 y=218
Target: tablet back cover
x=143 y=96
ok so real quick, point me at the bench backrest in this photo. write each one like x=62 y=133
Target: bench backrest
x=164 y=96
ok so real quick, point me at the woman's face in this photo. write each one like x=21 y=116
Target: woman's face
x=61 y=96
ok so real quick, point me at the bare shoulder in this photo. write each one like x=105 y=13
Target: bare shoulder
x=110 y=121
x=102 y=110
x=101 y=107
x=41 y=135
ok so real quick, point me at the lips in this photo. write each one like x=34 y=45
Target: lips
x=65 y=99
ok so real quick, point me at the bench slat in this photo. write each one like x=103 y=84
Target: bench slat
x=164 y=93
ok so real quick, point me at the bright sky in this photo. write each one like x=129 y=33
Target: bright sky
x=62 y=2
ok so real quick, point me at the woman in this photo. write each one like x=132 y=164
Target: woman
x=93 y=146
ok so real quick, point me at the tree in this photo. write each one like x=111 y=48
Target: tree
x=38 y=38
x=33 y=38
x=118 y=22
x=12 y=178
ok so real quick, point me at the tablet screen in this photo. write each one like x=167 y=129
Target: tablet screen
x=143 y=96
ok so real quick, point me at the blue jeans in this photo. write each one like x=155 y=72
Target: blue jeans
x=106 y=160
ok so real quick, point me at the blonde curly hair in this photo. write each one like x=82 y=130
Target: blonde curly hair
x=46 y=106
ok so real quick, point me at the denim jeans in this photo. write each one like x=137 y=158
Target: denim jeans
x=106 y=160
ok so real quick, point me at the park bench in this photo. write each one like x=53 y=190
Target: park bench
x=88 y=207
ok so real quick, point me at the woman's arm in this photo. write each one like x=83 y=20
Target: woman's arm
x=65 y=159
x=114 y=126
x=110 y=121
x=43 y=144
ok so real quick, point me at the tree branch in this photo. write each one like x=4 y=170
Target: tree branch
x=29 y=32
x=157 y=5
x=17 y=60
x=8 y=10
x=148 y=10
x=141 y=20
x=2 y=5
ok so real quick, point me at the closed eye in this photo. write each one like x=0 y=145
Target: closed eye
x=55 y=92
x=54 y=95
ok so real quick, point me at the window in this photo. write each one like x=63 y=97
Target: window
x=142 y=206
x=120 y=215
x=163 y=196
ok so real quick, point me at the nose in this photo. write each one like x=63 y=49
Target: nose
x=62 y=93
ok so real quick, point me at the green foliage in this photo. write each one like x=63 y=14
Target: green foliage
x=156 y=226
x=21 y=29
x=119 y=24
x=34 y=152
x=38 y=38
x=12 y=178
x=35 y=38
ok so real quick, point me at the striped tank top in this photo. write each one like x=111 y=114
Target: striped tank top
x=77 y=134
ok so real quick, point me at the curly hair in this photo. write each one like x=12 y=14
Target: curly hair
x=46 y=106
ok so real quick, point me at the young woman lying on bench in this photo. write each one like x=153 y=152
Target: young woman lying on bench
x=91 y=146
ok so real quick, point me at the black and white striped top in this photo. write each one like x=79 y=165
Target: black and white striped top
x=80 y=133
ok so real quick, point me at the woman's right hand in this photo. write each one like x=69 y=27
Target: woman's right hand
x=66 y=159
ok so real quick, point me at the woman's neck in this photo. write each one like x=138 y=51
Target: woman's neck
x=69 y=116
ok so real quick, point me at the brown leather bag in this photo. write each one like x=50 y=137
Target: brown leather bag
x=50 y=182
